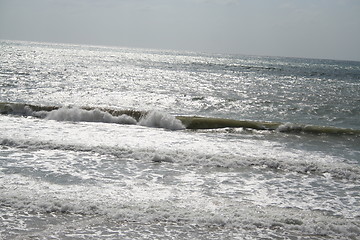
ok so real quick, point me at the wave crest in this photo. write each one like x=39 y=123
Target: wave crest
x=155 y=119
x=161 y=120
x=77 y=115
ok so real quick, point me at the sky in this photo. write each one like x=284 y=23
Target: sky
x=327 y=29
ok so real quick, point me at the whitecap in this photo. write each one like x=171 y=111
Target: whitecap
x=161 y=120
x=96 y=115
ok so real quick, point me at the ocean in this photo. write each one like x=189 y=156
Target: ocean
x=120 y=143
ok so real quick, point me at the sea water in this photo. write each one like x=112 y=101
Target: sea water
x=118 y=143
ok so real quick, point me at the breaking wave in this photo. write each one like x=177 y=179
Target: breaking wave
x=160 y=119
x=74 y=114
x=78 y=115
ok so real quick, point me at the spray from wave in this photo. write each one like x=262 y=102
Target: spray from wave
x=161 y=120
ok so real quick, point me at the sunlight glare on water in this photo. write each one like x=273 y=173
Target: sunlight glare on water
x=95 y=142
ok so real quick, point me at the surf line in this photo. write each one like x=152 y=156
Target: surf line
x=190 y=122
x=25 y=109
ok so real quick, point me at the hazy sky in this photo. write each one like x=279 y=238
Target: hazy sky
x=297 y=28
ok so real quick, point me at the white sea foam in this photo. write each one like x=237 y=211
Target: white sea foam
x=180 y=147
x=96 y=115
x=154 y=202
x=161 y=120
x=289 y=127
x=190 y=150
x=103 y=170
x=155 y=119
